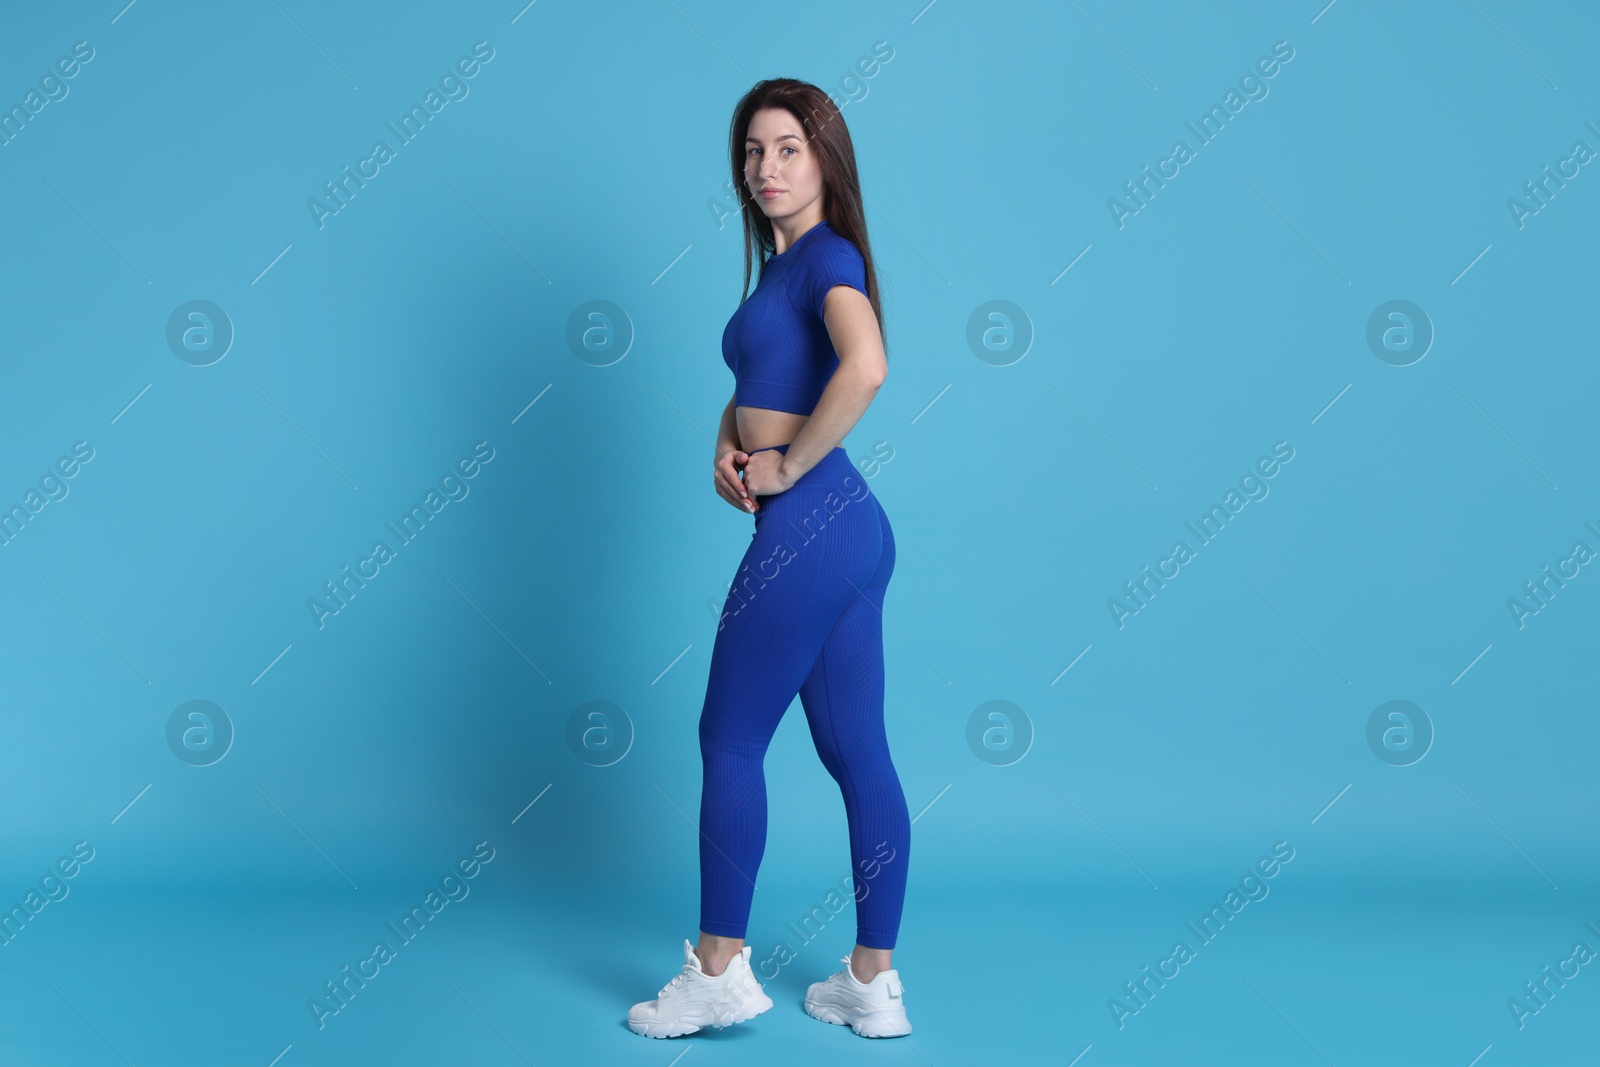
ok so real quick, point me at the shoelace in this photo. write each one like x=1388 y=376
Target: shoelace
x=845 y=979
x=677 y=980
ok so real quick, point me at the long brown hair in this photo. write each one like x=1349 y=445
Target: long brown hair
x=828 y=136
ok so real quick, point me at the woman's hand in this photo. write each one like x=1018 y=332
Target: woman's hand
x=725 y=475
x=764 y=473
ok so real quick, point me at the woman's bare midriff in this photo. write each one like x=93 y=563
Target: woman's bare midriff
x=764 y=428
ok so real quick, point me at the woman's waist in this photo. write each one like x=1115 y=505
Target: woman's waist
x=766 y=427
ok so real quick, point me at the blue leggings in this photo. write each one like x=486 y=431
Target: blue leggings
x=804 y=616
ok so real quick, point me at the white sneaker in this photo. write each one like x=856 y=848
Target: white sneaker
x=871 y=1009
x=694 y=999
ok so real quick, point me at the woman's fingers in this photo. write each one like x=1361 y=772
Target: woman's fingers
x=728 y=483
x=728 y=471
x=719 y=478
x=735 y=499
x=722 y=491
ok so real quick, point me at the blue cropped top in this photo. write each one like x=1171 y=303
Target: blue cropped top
x=776 y=343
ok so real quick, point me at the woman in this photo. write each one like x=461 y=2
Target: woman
x=804 y=614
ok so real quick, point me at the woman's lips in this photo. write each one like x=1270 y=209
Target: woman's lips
x=770 y=193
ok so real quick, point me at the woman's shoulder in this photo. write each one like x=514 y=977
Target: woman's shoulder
x=830 y=252
x=828 y=258
x=831 y=242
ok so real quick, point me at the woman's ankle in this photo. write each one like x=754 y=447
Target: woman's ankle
x=867 y=963
x=715 y=952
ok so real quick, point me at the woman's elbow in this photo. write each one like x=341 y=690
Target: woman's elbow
x=873 y=372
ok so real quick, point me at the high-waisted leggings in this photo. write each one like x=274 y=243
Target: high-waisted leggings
x=804 y=615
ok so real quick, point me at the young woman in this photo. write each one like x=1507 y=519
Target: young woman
x=804 y=614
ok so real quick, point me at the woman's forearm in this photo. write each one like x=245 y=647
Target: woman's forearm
x=728 y=432
x=843 y=402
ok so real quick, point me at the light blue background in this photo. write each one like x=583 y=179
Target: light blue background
x=587 y=163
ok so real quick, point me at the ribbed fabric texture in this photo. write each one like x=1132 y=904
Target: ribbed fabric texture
x=804 y=616
x=776 y=343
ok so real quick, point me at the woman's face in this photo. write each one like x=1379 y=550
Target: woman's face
x=779 y=160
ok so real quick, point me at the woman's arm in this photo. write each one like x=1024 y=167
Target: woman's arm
x=725 y=476
x=728 y=433
x=853 y=328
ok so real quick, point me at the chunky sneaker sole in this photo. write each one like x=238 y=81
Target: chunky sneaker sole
x=871 y=1009
x=694 y=999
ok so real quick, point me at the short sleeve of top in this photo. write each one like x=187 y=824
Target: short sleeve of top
x=830 y=263
x=776 y=343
